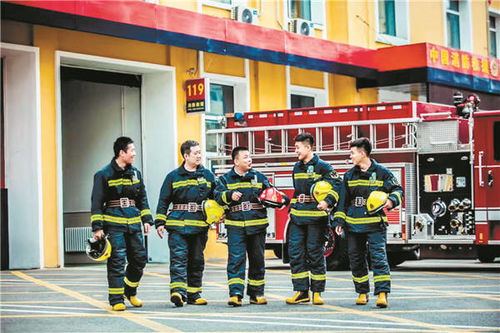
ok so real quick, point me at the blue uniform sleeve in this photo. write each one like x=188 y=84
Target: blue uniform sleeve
x=142 y=202
x=339 y=218
x=98 y=200
x=213 y=184
x=329 y=174
x=392 y=186
x=164 y=201
x=222 y=194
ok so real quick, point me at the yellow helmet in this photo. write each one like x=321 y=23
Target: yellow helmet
x=98 y=249
x=212 y=211
x=376 y=201
x=319 y=190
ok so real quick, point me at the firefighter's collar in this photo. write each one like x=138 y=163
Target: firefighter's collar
x=183 y=171
x=371 y=169
x=313 y=160
x=117 y=168
x=249 y=172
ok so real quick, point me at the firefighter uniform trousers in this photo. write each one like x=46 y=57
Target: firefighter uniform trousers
x=246 y=223
x=362 y=228
x=119 y=205
x=308 y=225
x=186 y=226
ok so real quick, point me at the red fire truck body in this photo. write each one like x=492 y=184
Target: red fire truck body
x=439 y=158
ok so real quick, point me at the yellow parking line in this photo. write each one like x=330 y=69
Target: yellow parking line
x=157 y=327
x=453 y=293
x=58 y=316
x=482 y=277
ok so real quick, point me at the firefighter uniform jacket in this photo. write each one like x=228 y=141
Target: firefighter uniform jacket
x=250 y=185
x=185 y=187
x=304 y=177
x=356 y=187
x=115 y=183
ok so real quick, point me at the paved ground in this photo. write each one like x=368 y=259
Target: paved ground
x=429 y=295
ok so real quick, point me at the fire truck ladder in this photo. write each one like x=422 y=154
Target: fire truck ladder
x=261 y=144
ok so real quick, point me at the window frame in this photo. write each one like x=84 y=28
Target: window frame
x=217 y=4
x=496 y=15
x=287 y=14
x=465 y=18
x=402 y=22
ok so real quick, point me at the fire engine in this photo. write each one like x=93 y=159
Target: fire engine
x=446 y=158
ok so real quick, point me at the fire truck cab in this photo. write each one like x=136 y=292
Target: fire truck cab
x=449 y=166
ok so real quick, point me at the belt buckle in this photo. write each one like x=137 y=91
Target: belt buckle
x=359 y=202
x=301 y=198
x=192 y=207
x=124 y=202
x=246 y=206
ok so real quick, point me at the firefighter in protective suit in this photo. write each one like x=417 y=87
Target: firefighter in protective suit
x=246 y=223
x=187 y=187
x=367 y=188
x=309 y=221
x=119 y=205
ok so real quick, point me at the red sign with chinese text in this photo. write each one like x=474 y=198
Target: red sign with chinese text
x=196 y=95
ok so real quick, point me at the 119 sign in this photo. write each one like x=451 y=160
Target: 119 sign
x=196 y=96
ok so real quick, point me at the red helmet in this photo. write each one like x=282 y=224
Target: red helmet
x=271 y=197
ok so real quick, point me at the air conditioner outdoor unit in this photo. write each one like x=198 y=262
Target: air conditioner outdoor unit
x=302 y=27
x=245 y=14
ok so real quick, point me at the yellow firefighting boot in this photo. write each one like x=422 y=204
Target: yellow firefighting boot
x=177 y=299
x=119 y=307
x=299 y=297
x=135 y=301
x=362 y=299
x=234 y=300
x=317 y=300
x=382 y=300
x=197 y=301
x=258 y=300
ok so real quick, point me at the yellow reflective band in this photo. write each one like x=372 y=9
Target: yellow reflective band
x=96 y=217
x=191 y=223
x=335 y=194
x=235 y=281
x=130 y=283
x=122 y=181
x=302 y=275
x=248 y=223
x=364 y=182
x=318 y=277
x=235 y=186
x=122 y=220
x=161 y=217
x=116 y=291
x=380 y=278
x=313 y=175
x=398 y=195
x=178 y=285
x=340 y=214
x=145 y=212
x=365 y=220
x=224 y=197
x=256 y=282
x=360 y=279
x=194 y=289
x=308 y=213
x=190 y=182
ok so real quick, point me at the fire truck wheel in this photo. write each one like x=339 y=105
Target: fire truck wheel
x=486 y=254
x=336 y=255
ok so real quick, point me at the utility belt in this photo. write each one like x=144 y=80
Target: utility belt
x=245 y=207
x=358 y=202
x=122 y=203
x=191 y=207
x=303 y=198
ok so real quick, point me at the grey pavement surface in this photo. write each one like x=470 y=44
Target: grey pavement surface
x=427 y=295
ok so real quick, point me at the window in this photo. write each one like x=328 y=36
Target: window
x=453 y=23
x=392 y=17
x=300 y=101
x=300 y=9
x=458 y=32
x=310 y=10
x=493 y=36
x=221 y=103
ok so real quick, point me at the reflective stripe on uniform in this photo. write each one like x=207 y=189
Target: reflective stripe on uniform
x=194 y=289
x=235 y=281
x=184 y=223
x=161 y=217
x=380 y=278
x=248 y=223
x=121 y=220
x=340 y=215
x=313 y=175
x=335 y=194
x=302 y=275
x=96 y=217
x=397 y=195
x=365 y=220
x=308 y=213
x=145 y=212
x=122 y=181
x=130 y=283
x=235 y=186
x=360 y=279
x=190 y=182
x=178 y=285
x=224 y=197
x=364 y=182
x=256 y=282
x=318 y=277
x=116 y=291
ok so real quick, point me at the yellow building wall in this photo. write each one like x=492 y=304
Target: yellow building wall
x=480 y=31
x=267 y=86
x=337 y=27
x=343 y=91
x=306 y=78
x=220 y=64
x=270 y=13
x=187 y=5
x=427 y=22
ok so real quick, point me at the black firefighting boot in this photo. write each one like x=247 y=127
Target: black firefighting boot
x=299 y=297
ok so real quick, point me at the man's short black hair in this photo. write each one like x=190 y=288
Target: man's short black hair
x=121 y=144
x=236 y=151
x=305 y=138
x=187 y=145
x=362 y=143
